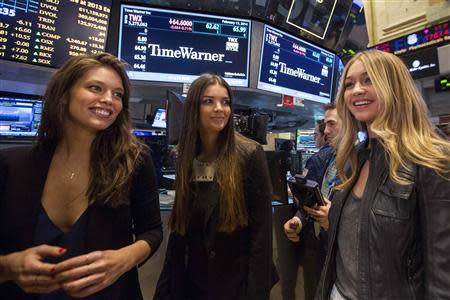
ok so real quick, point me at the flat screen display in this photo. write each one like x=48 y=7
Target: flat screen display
x=431 y=36
x=422 y=63
x=48 y=32
x=305 y=139
x=20 y=115
x=159 y=121
x=174 y=46
x=291 y=66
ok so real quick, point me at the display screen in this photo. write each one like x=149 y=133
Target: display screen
x=20 y=115
x=432 y=36
x=422 y=63
x=159 y=121
x=312 y=17
x=48 y=32
x=305 y=139
x=291 y=66
x=173 y=46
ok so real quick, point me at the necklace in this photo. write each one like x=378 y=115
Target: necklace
x=72 y=174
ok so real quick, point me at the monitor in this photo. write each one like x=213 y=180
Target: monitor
x=176 y=46
x=174 y=117
x=292 y=66
x=276 y=161
x=422 y=63
x=47 y=33
x=305 y=139
x=20 y=115
x=159 y=121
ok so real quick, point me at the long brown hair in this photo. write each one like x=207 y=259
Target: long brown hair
x=115 y=151
x=232 y=210
x=402 y=126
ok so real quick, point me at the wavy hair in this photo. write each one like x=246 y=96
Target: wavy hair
x=232 y=210
x=115 y=152
x=402 y=125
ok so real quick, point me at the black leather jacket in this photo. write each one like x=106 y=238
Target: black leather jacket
x=404 y=235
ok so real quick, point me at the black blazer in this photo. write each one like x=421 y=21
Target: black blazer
x=23 y=172
x=246 y=252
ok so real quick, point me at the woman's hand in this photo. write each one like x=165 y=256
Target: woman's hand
x=320 y=213
x=87 y=274
x=28 y=271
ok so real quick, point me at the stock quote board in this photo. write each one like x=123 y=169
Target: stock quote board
x=292 y=66
x=175 y=46
x=48 y=32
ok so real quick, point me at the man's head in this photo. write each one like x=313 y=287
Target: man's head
x=319 y=133
x=332 y=123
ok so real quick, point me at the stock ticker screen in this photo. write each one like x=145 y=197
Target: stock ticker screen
x=175 y=46
x=48 y=32
x=292 y=66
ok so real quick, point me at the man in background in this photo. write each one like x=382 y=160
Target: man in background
x=310 y=230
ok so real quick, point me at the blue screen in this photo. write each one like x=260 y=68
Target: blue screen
x=174 y=46
x=20 y=116
x=291 y=66
x=160 y=118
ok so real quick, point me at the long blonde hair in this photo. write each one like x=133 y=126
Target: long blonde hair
x=232 y=209
x=402 y=125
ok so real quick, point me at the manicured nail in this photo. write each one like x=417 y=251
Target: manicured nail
x=52 y=269
x=61 y=250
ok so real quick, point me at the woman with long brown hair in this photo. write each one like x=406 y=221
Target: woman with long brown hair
x=220 y=242
x=69 y=206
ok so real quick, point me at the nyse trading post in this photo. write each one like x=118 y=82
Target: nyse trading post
x=48 y=32
x=295 y=67
x=174 y=46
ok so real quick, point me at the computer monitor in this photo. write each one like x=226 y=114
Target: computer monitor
x=276 y=161
x=20 y=115
x=174 y=117
x=159 y=120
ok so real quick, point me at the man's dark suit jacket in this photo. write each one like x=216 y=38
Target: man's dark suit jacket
x=23 y=172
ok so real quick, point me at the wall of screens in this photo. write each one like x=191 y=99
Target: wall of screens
x=292 y=66
x=47 y=32
x=175 y=46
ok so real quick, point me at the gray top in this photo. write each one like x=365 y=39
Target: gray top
x=347 y=248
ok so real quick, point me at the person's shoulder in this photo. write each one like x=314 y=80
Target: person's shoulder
x=247 y=146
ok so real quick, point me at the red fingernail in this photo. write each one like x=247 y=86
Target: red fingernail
x=52 y=269
x=61 y=250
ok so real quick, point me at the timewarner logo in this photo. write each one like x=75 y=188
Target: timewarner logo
x=184 y=53
x=300 y=73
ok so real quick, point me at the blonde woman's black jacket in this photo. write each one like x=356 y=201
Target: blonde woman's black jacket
x=23 y=173
x=404 y=237
x=250 y=247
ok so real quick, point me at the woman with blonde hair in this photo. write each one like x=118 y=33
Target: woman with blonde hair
x=220 y=242
x=79 y=210
x=389 y=235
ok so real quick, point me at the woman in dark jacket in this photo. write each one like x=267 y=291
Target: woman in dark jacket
x=69 y=206
x=389 y=235
x=220 y=242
